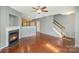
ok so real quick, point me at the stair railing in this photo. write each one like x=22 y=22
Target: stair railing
x=55 y=22
x=59 y=27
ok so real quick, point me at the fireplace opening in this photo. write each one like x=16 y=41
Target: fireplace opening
x=13 y=37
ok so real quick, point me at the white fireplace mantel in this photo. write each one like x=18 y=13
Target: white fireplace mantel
x=10 y=29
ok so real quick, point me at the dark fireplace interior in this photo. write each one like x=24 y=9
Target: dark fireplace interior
x=13 y=37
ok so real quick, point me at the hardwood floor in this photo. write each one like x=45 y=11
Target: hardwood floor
x=41 y=43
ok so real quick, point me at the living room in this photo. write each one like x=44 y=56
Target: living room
x=25 y=29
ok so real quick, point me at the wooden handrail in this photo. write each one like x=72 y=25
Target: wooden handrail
x=58 y=24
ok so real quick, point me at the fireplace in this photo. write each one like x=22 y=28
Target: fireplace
x=13 y=37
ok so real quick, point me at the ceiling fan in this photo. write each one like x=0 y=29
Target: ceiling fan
x=40 y=9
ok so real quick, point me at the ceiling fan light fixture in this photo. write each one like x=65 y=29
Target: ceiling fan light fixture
x=39 y=11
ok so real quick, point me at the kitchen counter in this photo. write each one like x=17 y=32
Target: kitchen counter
x=28 y=31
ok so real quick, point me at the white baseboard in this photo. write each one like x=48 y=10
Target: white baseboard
x=49 y=34
x=76 y=45
x=1 y=48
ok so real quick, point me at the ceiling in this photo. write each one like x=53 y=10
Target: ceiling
x=52 y=10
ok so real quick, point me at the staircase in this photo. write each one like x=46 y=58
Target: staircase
x=59 y=28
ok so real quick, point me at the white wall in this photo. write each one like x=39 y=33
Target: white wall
x=13 y=20
x=77 y=26
x=38 y=25
x=4 y=24
x=68 y=21
x=0 y=26
x=46 y=25
x=5 y=11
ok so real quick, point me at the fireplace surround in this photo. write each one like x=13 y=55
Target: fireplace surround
x=12 y=35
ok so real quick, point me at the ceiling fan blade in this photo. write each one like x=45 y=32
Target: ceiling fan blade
x=43 y=7
x=45 y=10
x=35 y=8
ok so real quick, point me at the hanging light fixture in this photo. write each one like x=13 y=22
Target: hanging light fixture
x=39 y=11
